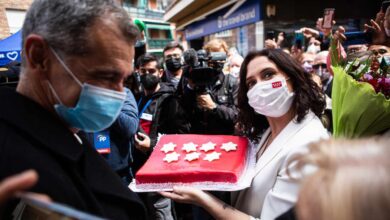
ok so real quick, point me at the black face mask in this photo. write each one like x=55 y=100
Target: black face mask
x=150 y=81
x=173 y=64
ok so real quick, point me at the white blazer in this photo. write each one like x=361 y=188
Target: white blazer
x=272 y=192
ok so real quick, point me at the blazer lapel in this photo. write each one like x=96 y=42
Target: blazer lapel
x=280 y=142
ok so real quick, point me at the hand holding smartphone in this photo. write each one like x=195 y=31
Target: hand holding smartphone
x=327 y=21
x=299 y=40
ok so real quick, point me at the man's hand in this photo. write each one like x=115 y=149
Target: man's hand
x=142 y=142
x=378 y=30
x=339 y=36
x=309 y=32
x=16 y=183
x=206 y=102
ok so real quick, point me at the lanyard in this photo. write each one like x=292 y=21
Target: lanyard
x=145 y=106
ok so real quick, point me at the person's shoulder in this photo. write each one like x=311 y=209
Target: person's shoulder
x=312 y=131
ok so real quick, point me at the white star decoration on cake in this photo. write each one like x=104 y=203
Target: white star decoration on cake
x=189 y=147
x=229 y=146
x=212 y=156
x=171 y=157
x=208 y=146
x=168 y=147
x=192 y=156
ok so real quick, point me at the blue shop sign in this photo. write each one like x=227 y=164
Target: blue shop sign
x=247 y=13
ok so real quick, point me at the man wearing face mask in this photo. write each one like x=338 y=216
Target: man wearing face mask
x=159 y=110
x=76 y=54
x=212 y=111
x=159 y=113
x=320 y=68
x=173 y=52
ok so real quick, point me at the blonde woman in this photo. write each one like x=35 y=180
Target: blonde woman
x=351 y=181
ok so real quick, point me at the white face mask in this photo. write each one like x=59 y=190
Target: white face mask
x=313 y=49
x=271 y=98
x=235 y=71
x=307 y=67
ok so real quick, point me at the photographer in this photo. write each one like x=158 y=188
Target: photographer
x=209 y=96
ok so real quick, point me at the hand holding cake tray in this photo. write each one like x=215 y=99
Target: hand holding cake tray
x=207 y=162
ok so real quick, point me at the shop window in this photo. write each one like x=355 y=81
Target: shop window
x=15 y=19
x=153 y=4
x=131 y=3
x=159 y=34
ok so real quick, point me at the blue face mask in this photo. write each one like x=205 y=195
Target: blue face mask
x=96 y=109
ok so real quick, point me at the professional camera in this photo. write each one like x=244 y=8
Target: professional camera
x=203 y=68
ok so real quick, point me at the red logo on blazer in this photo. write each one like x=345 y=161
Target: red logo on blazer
x=276 y=84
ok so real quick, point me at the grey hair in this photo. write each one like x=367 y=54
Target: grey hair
x=65 y=24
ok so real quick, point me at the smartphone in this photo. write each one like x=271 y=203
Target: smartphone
x=32 y=208
x=328 y=18
x=270 y=35
x=385 y=5
x=299 y=40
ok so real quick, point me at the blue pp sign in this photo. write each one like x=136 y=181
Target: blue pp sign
x=102 y=142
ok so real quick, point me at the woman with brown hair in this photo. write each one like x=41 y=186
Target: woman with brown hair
x=279 y=105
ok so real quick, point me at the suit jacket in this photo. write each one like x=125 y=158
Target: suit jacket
x=70 y=172
x=272 y=192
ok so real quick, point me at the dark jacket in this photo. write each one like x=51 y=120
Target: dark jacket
x=220 y=120
x=168 y=115
x=122 y=138
x=69 y=172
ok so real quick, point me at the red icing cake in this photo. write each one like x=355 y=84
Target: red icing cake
x=195 y=158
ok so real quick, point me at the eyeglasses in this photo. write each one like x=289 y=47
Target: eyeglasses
x=317 y=66
x=174 y=55
x=147 y=70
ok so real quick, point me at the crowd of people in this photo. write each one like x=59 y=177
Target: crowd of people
x=91 y=104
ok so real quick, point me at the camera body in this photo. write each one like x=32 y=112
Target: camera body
x=205 y=69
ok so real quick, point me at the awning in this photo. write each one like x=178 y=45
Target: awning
x=158 y=26
x=185 y=12
x=10 y=49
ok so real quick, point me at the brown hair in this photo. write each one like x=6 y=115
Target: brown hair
x=308 y=96
x=351 y=181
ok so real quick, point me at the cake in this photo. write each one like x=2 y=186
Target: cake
x=195 y=158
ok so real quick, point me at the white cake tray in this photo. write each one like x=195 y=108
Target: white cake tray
x=244 y=181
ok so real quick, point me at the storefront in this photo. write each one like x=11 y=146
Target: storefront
x=241 y=28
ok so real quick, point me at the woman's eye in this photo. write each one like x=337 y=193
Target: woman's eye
x=250 y=84
x=268 y=74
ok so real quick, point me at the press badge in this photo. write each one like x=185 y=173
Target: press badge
x=101 y=141
x=147 y=117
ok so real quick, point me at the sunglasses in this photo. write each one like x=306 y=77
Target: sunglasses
x=380 y=51
x=147 y=71
x=317 y=66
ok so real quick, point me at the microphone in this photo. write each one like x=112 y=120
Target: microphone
x=190 y=57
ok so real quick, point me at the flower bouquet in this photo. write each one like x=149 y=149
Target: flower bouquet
x=360 y=95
